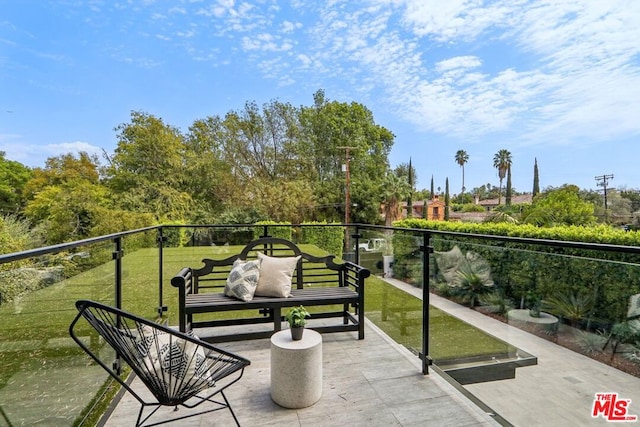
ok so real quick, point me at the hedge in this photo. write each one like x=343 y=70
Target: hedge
x=540 y=271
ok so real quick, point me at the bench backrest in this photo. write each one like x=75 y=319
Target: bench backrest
x=310 y=271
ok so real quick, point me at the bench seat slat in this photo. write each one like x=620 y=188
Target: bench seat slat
x=207 y=302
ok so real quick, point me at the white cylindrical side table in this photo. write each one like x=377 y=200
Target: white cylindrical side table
x=296 y=369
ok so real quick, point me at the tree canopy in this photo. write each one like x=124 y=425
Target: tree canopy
x=562 y=206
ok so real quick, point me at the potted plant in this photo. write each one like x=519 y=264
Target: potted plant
x=297 y=318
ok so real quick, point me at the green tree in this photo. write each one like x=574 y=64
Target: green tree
x=16 y=234
x=446 y=200
x=13 y=178
x=63 y=196
x=327 y=127
x=410 y=181
x=210 y=177
x=536 y=178
x=619 y=208
x=507 y=196
x=408 y=172
x=633 y=195
x=64 y=212
x=562 y=206
x=431 y=189
x=63 y=169
x=502 y=162
x=146 y=172
x=393 y=190
x=461 y=159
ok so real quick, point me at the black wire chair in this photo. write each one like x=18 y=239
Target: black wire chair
x=178 y=369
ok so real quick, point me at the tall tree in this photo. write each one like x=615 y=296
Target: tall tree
x=65 y=196
x=461 y=159
x=536 y=178
x=446 y=200
x=13 y=178
x=325 y=129
x=393 y=190
x=212 y=177
x=431 y=189
x=501 y=161
x=146 y=171
x=410 y=196
x=507 y=196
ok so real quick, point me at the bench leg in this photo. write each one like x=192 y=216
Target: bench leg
x=277 y=319
x=360 y=311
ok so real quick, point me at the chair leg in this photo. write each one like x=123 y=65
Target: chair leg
x=230 y=409
x=140 y=421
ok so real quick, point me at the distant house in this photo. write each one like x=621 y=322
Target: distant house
x=435 y=209
x=490 y=204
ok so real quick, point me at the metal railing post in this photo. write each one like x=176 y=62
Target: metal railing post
x=426 y=250
x=117 y=257
x=161 y=239
x=356 y=236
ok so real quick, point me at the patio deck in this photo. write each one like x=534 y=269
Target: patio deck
x=558 y=391
x=370 y=382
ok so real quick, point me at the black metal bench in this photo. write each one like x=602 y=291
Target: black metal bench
x=317 y=281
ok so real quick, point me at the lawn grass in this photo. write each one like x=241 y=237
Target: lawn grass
x=36 y=351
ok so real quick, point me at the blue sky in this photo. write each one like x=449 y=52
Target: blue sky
x=556 y=80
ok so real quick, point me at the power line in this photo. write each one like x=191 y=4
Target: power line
x=603 y=180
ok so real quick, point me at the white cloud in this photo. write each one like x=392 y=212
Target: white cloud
x=458 y=62
x=72 y=147
x=289 y=27
x=571 y=67
x=34 y=155
x=265 y=42
x=454 y=20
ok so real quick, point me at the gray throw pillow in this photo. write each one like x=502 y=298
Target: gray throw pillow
x=243 y=280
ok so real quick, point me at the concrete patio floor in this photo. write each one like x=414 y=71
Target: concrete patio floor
x=376 y=382
x=370 y=382
x=558 y=391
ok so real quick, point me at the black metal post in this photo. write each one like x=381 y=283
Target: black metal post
x=161 y=239
x=117 y=257
x=426 y=250
x=356 y=236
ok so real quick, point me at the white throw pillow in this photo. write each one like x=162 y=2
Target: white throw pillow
x=275 y=276
x=178 y=363
x=243 y=280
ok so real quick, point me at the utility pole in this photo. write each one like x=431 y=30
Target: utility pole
x=347 y=195
x=603 y=180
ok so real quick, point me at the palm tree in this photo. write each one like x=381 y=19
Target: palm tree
x=502 y=162
x=394 y=189
x=461 y=158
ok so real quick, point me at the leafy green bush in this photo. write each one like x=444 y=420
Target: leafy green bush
x=331 y=239
x=520 y=269
x=281 y=231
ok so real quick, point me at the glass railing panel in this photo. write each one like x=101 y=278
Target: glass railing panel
x=583 y=299
x=140 y=274
x=44 y=376
x=393 y=292
x=375 y=251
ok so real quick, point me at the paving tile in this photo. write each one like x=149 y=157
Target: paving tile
x=369 y=382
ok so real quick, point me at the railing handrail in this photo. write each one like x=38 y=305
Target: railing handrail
x=16 y=256
x=512 y=239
